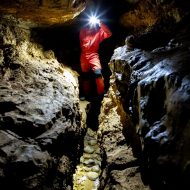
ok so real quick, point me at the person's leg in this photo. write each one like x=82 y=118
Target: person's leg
x=86 y=84
x=97 y=70
x=85 y=76
x=99 y=81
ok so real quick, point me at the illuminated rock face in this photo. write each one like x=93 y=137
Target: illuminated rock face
x=148 y=15
x=40 y=129
x=120 y=168
x=43 y=12
x=154 y=86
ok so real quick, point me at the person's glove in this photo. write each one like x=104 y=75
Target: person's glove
x=98 y=22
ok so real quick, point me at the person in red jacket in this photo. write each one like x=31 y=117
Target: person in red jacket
x=90 y=38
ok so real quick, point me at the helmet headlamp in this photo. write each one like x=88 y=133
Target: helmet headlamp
x=93 y=21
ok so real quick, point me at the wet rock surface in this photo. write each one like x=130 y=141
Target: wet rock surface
x=40 y=117
x=154 y=90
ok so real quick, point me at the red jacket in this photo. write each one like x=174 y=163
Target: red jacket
x=90 y=39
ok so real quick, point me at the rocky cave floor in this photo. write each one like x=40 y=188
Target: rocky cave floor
x=109 y=166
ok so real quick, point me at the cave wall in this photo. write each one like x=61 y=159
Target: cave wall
x=151 y=82
x=39 y=107
x=120 y=165
x=154 y=15
x=40 y=117
x=154 y=89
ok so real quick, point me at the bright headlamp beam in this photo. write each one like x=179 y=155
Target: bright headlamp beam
x=93 y=20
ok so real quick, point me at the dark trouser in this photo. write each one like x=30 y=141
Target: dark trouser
x=98 y=79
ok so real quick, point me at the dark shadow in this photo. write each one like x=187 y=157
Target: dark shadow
x=93 y=113
x=93 y=108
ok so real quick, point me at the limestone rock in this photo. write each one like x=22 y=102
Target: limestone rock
x=92 y=142
x=89 y=149
x=119 y=156
x=151 y=15
x=156 y=96
x=63 y=166
x=121 y=179
x=89 y=162
x=96 y=168
x=27 y=160
x=92 y=175
x=39 y=113
x=42 y=13
x=87 y=156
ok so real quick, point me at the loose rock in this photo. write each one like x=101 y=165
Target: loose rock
x=92 y=175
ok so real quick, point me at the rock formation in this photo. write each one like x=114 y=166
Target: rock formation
x=40 y=118
x=120 y=165
x=148 y=15
x=42 y=12
x=153 y=87
x=144 y=122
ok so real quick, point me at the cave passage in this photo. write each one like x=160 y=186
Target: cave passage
x=64 y=40
x=137 y=137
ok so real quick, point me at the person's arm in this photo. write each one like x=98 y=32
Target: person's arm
x=104 y=31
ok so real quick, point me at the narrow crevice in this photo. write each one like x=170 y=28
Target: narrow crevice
x=88 y=170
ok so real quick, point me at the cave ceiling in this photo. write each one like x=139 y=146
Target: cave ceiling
x=42 y=12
